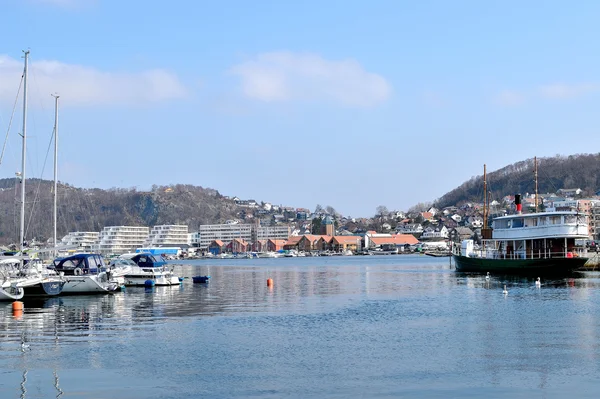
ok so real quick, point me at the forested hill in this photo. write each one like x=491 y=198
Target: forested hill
x=575 y=171
x=91 y=209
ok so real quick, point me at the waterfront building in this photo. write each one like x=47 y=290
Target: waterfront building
x=224 y=232
x=168 y=236
x=248 y=232
x=83 y=240
x=273 y=232
x=121 y=239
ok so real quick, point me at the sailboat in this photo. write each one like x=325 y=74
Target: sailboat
x=538 y=243
x=34 y=279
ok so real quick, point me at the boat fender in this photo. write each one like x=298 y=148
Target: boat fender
x=77 y=271
x=149 y=283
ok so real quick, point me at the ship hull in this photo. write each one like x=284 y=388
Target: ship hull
x=536 y=267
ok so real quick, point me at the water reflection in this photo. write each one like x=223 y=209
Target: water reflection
x=364 y=321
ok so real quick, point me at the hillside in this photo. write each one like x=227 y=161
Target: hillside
x=575 y=171
x=92 y=209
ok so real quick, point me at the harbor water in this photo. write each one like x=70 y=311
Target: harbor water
x=328 y=327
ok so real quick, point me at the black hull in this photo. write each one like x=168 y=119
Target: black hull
x=537 y=267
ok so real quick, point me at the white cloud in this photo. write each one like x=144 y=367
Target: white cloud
x=566 y=91
x=82 y=85
x=286 y=76
x=510 y=98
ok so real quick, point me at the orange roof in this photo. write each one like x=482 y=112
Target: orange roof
x=312 y=237
x=398 y=239
x=427 y=215
x=240 y=240
x=325 y=238
x=278 y=242
x=293 y=240
x=218 y=242
x=346 y=239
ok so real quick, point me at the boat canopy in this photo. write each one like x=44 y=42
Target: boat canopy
x=80 y=264
x=146 y=259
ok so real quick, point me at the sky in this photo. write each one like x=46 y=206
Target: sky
x=350 y=104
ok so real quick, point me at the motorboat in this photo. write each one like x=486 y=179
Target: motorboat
x=149 y=269
x=85 y=274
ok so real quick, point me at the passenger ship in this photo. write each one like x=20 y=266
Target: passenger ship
x=536 y=243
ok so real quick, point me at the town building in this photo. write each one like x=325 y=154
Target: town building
x=169 y=236
x=121 y=239
x=79 y=241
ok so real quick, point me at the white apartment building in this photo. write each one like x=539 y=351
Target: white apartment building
x=168 y=236
x=273 y=232
x=225 y=232
x=121 y=239
x=84 y=240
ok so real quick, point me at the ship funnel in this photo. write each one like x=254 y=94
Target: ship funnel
x=518 y=203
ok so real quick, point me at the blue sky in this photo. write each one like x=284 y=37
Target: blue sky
x=339 y=103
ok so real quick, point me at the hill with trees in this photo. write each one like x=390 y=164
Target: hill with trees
x=554 y=173
x=82 y=209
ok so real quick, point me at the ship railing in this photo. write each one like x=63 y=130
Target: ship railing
x=539 y=254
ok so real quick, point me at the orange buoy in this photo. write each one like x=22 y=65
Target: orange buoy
x=17 y=314
x=17 y=305
x=269 y=282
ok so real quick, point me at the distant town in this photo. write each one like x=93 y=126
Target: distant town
x=267 y=228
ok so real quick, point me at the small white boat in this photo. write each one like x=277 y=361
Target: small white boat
x=149 y=270
x=9 y=273
x=84 y=274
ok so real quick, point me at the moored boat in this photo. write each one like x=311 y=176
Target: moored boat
x=149 y=269
x=534 y=243
x=85 y=274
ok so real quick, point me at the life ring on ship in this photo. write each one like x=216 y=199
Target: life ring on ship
x=77 y=271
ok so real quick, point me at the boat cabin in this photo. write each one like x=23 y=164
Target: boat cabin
x=79 y=264
x=147 y=259
x=537 y=235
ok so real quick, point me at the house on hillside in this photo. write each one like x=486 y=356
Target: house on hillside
x=570 y=192
x=460 y=233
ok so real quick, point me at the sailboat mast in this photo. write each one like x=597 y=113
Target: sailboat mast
x=535 y=174
x=485 y=217
x=55 y=165
x=24 y=150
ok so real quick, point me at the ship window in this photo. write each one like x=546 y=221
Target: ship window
x=501 y=224
x=555 y=220
x=543 y=221
x=570 y=219
x=531 y=222
x=517 y=223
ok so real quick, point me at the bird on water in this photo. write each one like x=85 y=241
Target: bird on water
x=505 y=292
x=538 y=282
x=487 y=277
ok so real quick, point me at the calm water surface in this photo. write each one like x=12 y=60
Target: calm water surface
x=333 y=327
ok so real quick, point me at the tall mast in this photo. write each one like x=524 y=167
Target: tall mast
x=535 y=175
x=485 y=218
x=55 y=164
x=24 y=149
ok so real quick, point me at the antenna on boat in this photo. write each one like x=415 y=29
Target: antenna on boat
x=56 y=96
x=485 y=216
x=24 y=151
x=535 y=175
